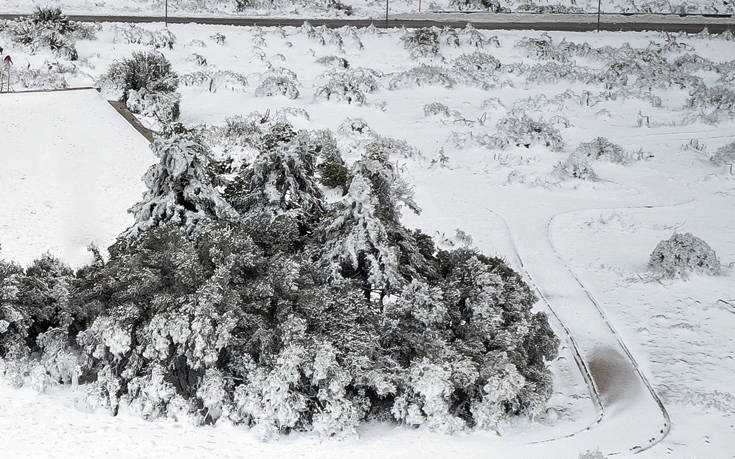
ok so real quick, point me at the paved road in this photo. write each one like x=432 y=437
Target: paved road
x=566 y=22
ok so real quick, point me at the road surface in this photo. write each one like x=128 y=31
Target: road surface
x=513 y=21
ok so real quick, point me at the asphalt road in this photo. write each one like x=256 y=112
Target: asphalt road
x=578 y=23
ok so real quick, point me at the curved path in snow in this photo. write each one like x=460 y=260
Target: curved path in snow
x=632 y=418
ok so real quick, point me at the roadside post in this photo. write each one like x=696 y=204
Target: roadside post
x=386 y=12
x=7 y=63
x=166 y=14
x=599 y=8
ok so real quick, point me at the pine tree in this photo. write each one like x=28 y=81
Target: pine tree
x=181 y=188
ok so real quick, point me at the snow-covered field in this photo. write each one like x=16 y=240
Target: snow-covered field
x=472 y=171
x=362 y=8
x=73 y=167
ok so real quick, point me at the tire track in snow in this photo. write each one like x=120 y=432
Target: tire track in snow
x=578 y=359
x=662 y=432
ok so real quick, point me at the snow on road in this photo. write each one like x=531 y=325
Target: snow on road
x=71 y=166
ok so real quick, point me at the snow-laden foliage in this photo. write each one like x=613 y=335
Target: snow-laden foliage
x=333 y=61
x=577 y=166
x=181 y=187
x=270 y=306
x=682 y=254
x=423 y=75
x=715 y=99
x=476 y=69
x=146 y=83
x=349 y=85
x=493 y=6
x=278 y=81
x=215 y=80
x=518 y=129
x=602 y=148
x=422 y=42
x=724 y=155
x=49 y=28
x=136 y=35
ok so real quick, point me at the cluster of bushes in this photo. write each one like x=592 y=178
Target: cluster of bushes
x=520 y=130
x=133 y=34
x=146 y=83
x=270 y=306
x=278 y=81
x=49 y=28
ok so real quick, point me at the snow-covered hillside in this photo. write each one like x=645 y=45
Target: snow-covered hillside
x=500 y=134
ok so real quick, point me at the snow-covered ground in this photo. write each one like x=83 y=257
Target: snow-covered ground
x=511 y=204
x=72 y=166
x=360 y=8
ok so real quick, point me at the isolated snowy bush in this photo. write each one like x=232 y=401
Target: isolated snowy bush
x=477 y=68
x=278 y=82
x=577 y=166
x=146 y=83
x=423 y=42
x=518 y=129
x=333 y=61
x=49 y=28
x=683 y=254
x=348 y=86
x=724 y=155
x=601 y=148
x=136 y=35
x=423 y=75
x=215 y=80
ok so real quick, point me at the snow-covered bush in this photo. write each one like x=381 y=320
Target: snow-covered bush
x=724 y=155
x=601 y=148
x=577 y=166
x=278 y=82
x=422 y=42
x=50 y=28
x=423 y=75
x=592 y=454
x=348 y=86
x=717 y=98
x=333 y=61
x=681 y=254
x=492 y=6
x=476 y=68
x=133 y=34
x=146 y=83
x=518 y=129
x=215 y=80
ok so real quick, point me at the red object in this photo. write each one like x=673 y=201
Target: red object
x=8 y=60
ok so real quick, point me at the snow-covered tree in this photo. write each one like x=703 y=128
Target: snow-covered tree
x=681 y=254
x=182 y=189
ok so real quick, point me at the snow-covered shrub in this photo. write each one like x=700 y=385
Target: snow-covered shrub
x=592 y=454
x=50 y=28
x=681 y=254
x=519 y=129
x=476 y=68
x=348 y=86
x=492 y=6
x=543 y=48
x=278 y=82
x=423 y=42
x=577 y=166
x=333 y=61
x=146 y=83
x=436 y=108
x=181 y=187
x=601 y=148
x=133 y=34
x=215 y=80
x=717 y=98
x=724 y=155
x=219 y=38
x=423 y=75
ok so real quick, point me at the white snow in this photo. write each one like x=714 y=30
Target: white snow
x=71 y=166
x=678 y=334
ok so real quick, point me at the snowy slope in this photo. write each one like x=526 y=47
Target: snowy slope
x=72 y=165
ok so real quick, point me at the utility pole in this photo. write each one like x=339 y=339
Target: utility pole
x=166 y=14
x=599 y=8
x=386 y=12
